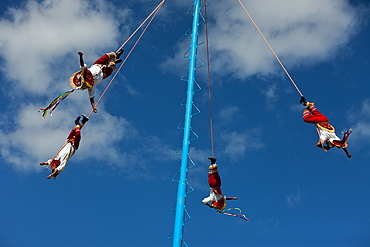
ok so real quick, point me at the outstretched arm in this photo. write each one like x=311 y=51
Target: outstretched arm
x=92 y=102
x=347 y=153
x=231 y=198
x=82 y=63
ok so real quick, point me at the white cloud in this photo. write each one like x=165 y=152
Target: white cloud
x=158 y=151
x=295 y=198
x=271 y=93
x=234 y=144
x=299 y=31
x=175 y=64
x=35 y=39
x=102 y=135
x=359 y=116
x=237 y=144
x=228 y=114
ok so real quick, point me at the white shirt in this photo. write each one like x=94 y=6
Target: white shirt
x=97 y=72
x=213 y=197
x=326 y=135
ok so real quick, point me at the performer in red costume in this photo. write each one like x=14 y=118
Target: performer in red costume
x=89 y=78
x=327 y=137
x=59 y=162
x=216 y=199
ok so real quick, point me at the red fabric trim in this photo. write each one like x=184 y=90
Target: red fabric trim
x=102 y=60
x=54 y=164
x=342 y=143
x=75 y=137
x=89 y=78
x=107 y=72
x=219 y=204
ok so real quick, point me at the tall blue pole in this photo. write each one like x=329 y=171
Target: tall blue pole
x=181 y=191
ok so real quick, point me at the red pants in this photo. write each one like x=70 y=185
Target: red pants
x=74 y=136
x=314 y=116
x=214 y=181
x=103 y=60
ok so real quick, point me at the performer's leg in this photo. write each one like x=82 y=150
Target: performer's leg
x=320 y=144
x=54 y=174
x=112 y=55
x=347 y=153
x=106 y=58
x=313 y=116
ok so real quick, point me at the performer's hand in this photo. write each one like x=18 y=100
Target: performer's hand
x=232 y=198
x=303 y=100
x=95 y=110
x=80 y=53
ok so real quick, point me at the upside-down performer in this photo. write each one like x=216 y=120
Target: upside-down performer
x=59 y=162
x=88 y=78
x=327 y=137
x=215 y=199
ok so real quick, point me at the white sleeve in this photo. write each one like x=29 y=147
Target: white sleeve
x=211 y=198
x=207 y=200
x=91 y=92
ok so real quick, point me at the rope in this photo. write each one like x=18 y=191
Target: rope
x=155 y=12
x=272 y=50
x=137 y=29
x=209 y=83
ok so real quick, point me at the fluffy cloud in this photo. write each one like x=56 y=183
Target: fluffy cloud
x=359 y=117
x=295 y=198
x=299 y=32
x=228 y=114
x=36 y=38
x=238 y=143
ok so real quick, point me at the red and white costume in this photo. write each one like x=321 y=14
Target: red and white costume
x=216 y=198
x=68 y=150
x=97 y=72
x=325 y=130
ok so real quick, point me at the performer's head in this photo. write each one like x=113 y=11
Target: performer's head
x=220 y=205
x=82 y=122
x=213 y=168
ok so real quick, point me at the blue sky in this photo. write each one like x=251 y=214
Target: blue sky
x=117 y=189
